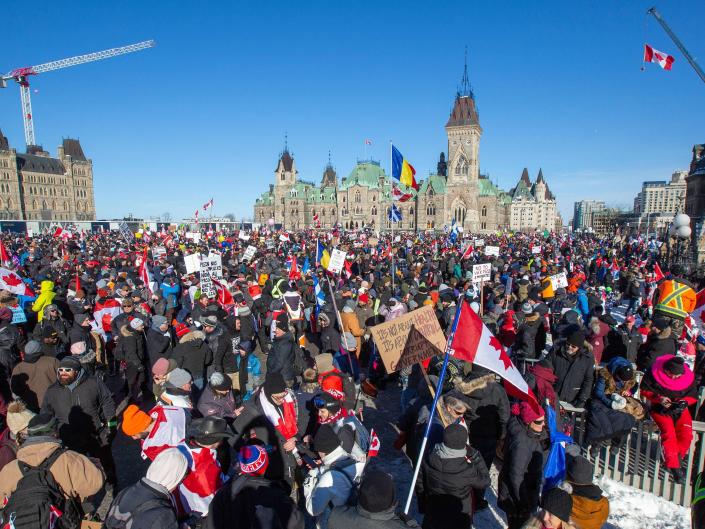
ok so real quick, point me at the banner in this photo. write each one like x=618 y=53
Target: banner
x=210 y=267
x=409 y=339
x=126 y=232
x=481 y=272
x=337 y=261
x=492 y=250
x=158 y=251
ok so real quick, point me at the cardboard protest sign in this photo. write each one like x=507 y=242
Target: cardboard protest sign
x=193 y=263
x=492 y=250
x=481 y=272
x=337 y=261
x=270 y=244
x=210 y=267
x=250 y=252
x=409 y=339
x=559 y=281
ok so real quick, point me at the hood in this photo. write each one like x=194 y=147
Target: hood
x=672 y=384
x=616 y=363
x=470 y=386
x=192 y=336
x=46 y=309
x=664 y=334
x=46 y=286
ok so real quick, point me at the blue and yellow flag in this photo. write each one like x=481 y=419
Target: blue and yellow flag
x=402 y=170
x=322 y=255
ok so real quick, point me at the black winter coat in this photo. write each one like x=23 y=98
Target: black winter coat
x=656 y=345
x=489 y=407
x=330 y=340
x=256 y=503
x=522 y=470
x=130 y=347
x=10 y=345
x=355 y=517
x=575 y=375
x=158 y=514
x=78 y=333
x=282 y=356
x=531 y=337
x=158 y=345
x=193 y=354
x=83 y=412
x=445 y=486
x=220 y=344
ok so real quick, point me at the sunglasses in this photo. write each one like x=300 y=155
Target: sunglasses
x=65 y=370
x=539 y=421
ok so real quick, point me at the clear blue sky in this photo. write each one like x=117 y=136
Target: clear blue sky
x=558 y=85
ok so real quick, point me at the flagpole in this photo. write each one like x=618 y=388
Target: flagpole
x=433 y=406
x=340 y=323
x=391 y=213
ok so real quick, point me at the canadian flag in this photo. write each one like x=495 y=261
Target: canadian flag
x=399 y=195
x=4 y=255
x=468 y=251
x=375 y=445
x=368 y=141
x=199 y=486
x=58 y=231
x=474 y=343
x=223 y=295
x=195 y=215
x=348 y=269
x=658 y=274
x=208 y=204
x=12 y=282
x=145 y=274
x=105 y=311
x=294 y=273
x=169 y=431
x=284 y=237
x=664 y=60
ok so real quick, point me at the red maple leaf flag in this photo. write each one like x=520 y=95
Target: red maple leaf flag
x=4 y=255
x=375 y=445
x=658 y=274
x=474 y=343
x=468 y=252
x=664 y=60
x=12 y=282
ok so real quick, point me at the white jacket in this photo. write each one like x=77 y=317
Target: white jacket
x=332 y=483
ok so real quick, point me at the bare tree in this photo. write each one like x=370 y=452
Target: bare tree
x=230 y=217
x=166 y=216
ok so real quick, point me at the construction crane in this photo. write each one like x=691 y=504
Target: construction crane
x=677 y=42
x=22 y=75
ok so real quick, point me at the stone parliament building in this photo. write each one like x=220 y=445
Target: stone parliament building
x=456 y=190
x=36 y=186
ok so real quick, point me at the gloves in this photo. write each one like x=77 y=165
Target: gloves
x=618 y=402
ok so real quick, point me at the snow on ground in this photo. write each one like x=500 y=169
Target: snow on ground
x=631 y=508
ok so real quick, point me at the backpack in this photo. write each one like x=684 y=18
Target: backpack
x=349 y=390
x=38 y=500
x=117 y=520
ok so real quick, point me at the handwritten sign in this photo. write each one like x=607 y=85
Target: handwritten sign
x=249 y=253
x=481 y=272
x=126 y=232
x=479 y=242
x=536 y=250
x=492 y=250
x=409 y=339
x=158 y=251
x=337 y=261
x=210 y=267
x=192 y=262
x=559 y=281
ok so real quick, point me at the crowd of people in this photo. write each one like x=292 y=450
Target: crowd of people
x=246 y=392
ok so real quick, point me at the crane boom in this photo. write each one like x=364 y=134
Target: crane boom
x=74 y=61
x=677 y=42
x=20 y=75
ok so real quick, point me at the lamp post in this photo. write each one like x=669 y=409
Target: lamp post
x=680 y=230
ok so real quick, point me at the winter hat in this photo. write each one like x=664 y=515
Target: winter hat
x=209 y=321
x=558 y=502
x=168 y=468
x=253 y=459
x=527 y=414
x=78 y=348
x=324 y=362
x=325 y=440
x=576 y=338
x=455 y=436
x=70 y=362
x=674 y=366
x=178 y=378
x=282 y=323
x=5 y=314
x=160 y=367
x=32 y=348
x=659 y=322
x=81 y=318
x=243 y=311
x=273 y=384
x=579 y=471
x=135 y=323
x=219 y=382
x=134 y=420
x=42 y=424
x=377 y=492
x=349 y=306
x=181 y=330
x=255 y=292
x=18 y=417
x=328 y=401
x=158 y=321
x=208 y=430
x=526 y=308
x=363 y=298
x=624 y=373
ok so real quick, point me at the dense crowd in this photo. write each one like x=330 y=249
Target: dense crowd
x=247 y=397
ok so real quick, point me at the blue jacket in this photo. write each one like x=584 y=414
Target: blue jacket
x=171 y=294
x=254 y=374
x=582 y=305
x=612 y=366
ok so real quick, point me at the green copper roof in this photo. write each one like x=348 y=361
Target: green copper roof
x=265 y=199
x=365 y=174
x=326 y=195
x=437 y=183
x=487 y=188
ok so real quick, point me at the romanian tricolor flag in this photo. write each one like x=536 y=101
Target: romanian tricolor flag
x=322 y=255
x=402 y=170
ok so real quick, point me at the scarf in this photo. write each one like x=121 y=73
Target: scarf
x=284 y=421
x=442 y=451
x=545 y=378
x=342 y=413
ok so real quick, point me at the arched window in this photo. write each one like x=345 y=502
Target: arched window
x=332 y=212
x=357 y=196
x=484 y=211
x=374 y=198
x=431 y=210
x=374 y=211
x=461 y=167
x=430 y=191
x=411 y=211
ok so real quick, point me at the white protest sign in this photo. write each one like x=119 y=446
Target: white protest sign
x=481 y=272
x=479 y=242
x=193 y=263
x=158 y=251
x=337 y=261
x=210 y=267
x=250 y=252
x=492 y=250
x=126 y=232
x=559 y=281
x=536 y=249
x=270 y=244
x=243 y=236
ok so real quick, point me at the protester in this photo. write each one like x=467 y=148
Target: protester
x=33 y=375
x=590 y=507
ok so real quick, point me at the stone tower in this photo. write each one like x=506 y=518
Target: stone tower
x=464 y=132
x=540 y=188
x=284 y=181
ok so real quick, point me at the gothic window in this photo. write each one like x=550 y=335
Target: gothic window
x=430 y=191
x=484 y=211
x=34 y=204
x=357 y=196
x=374 y=211
x=283 y=177
x=461 y=167
x=343 y=199
x=323 y=213
x=332 y=212
x=411 y=211
x=282 y=200
x=45 y=205
x=374 y=198
x=431 y=210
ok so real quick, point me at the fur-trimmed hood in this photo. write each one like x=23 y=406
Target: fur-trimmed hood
x=193 y=336
x=467 y=387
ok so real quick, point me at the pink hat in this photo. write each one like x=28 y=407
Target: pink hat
x=78 y=348
x=160 y=367
x=528 y=414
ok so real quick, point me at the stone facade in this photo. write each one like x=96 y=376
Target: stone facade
x=35 y=186
x=456 y=191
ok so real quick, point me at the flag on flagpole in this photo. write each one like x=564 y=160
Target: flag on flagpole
x=474 y=343
x=453 y=236
x=368 y=141
x=664 y=60
x=394 y=214
x=294 y=274
x=78 y=283
x=306 y=267
x=320 y=295
x=322 y=255
x=468 y=251
x=4 y=255
x=196 y=215
x=375 y=444
x=223 y=295
x=402 y=170
x=658 y=274
x=12 y=282
x=145 y=274
x=555 y=467
x=208 y=204
x=399 y=195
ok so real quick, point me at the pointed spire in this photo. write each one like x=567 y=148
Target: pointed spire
x=329 y=164
x=465 y=90
x=540 y=179
x=525 y=177
x=286 y=142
